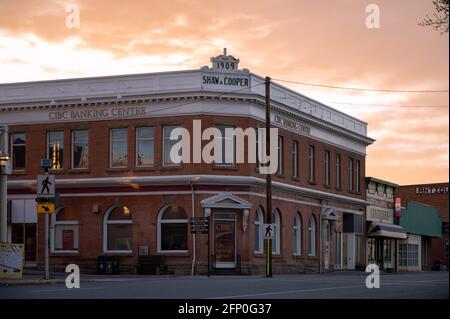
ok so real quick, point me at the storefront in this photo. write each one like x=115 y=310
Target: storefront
x=382 y=233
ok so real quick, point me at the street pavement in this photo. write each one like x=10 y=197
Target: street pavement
x=337 y=285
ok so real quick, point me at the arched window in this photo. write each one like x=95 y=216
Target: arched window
x=64 y=231
x=312 y=236
x=259 y=225
x=297 y=232
x=117 y=229
x=276 y=232
x=172 y=229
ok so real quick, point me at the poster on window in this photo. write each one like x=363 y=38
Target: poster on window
x=224 y=241
x=11 y=260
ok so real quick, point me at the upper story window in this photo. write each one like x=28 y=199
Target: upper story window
x=357 y=175
x=118 y=156
x=295 y=159
x=18 y=145
x=338 y=171
x=80 y=146
x=55 y=148
x=145 y=146
x=168 y=144
x=280 y=169
x=311 y=163
x=350 y=174
x=327 y=168
x=226 y=146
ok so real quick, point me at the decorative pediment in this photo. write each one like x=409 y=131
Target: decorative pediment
x=225 y=200
x=329 y=213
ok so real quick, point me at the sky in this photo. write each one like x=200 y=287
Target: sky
x=320 y=42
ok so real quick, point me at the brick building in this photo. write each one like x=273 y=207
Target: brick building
x=120 y=193
x=435 y=195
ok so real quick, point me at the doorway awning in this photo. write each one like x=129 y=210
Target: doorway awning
x=386 y=230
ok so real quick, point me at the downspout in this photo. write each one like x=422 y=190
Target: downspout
x=193 y=235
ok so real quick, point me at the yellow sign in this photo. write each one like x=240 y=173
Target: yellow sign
x=45 y=208
x=11 y=260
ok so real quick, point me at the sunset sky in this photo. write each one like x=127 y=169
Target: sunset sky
x=322 y=41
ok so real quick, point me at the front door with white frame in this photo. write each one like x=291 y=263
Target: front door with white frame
x=225 y=240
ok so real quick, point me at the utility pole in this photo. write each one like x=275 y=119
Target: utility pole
x=4 y=170
x=268 y=183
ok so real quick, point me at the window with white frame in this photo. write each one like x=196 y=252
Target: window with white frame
x=172 y=229
x=408 y=255
x=117 y=229
x=226 y=145
x=18 y=145
x=297 y=235
x=295 y=159
x=311 y=163
x=55 y=148
x=338 y=171
x=327 y=168
x=276 y=232
x=168 y=144
x=312 y=236
x=259 y=228
x=280 y=149
x=64 y=231
x=145 y=146
x=80 y=147
x=357 y=175
x=118 y=150
x=350 y=174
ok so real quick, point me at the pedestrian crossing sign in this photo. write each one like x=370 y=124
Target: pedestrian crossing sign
x=269 y=230
x=45 y=186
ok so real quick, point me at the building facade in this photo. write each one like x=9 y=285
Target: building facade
x=121 y=194
x=383 y=229
x=435 y=195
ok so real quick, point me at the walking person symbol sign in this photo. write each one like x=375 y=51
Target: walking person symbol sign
x=45 y=186
x=268 y=231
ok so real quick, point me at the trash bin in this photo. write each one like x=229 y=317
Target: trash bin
x=437 y=265
x=101 y=265
x=115 y=265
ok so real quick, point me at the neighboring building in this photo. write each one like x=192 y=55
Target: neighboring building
x=436 y=195
x=121 y=194
x=422 y=223
x=382 y=232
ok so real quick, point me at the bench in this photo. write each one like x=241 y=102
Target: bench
x=151 y=265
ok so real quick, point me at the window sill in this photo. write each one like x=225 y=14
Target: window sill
x=339 y=189
x=280 y=175
x=326 y=186
x=229 y=167
x=118 y=253
x=170 y=167
x=312 y=182
x=117 y=169
x=56 y=171
x=19 y=172
x=297 y=256
x=296 y=179
x=312 y=257
x=65 y=253
x=79 y=170
x=144 y=168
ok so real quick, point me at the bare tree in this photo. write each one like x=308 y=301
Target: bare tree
x=439 y=20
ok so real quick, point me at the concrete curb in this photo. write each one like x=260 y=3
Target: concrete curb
x=31 y=282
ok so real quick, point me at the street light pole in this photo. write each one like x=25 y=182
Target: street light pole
x=4 y=162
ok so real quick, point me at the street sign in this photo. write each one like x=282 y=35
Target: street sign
x=43 y=208
x=268 y=231
x=45 y=186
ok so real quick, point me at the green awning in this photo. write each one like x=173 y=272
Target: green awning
x=421 y=219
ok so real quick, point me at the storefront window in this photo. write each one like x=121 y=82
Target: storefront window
x=371 y=249
x=276 y=232
x=259 y=224
x=312 y=236
x=64 y=231
x=297 y=238
x=409 y=255
x=387 y=250
x=173 y=227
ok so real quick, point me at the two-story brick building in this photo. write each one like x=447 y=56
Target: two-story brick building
x=121 y=193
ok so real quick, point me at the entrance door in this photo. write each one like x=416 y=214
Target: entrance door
x=225 y=240
x=380 y=252
x=26 y=234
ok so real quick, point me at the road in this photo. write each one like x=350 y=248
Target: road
x=351 y=285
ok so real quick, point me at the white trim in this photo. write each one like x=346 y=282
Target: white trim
x=53 y=224
x=136 y=146
x=184 y=180
x=111 y=143
x=297 y=229
x=169 y=221
x=312 y=243
x=276 y=250
x=234 y=220
x=260 y=225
